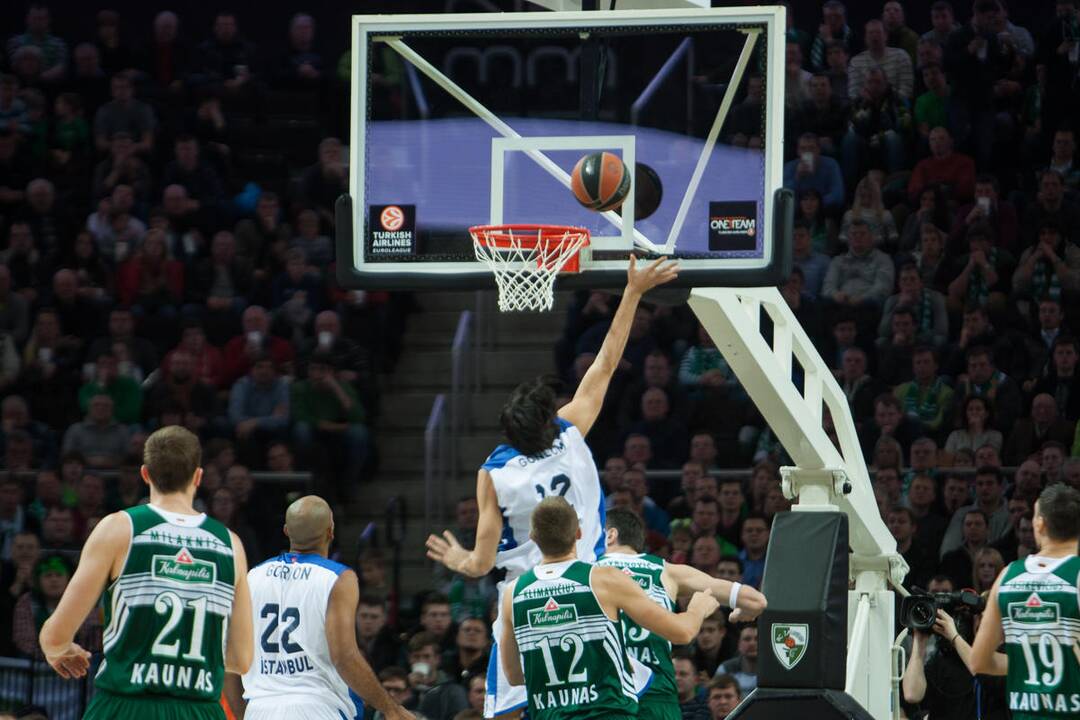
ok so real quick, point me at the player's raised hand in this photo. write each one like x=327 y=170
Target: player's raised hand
x=72 y=662
x=703 y=603
x=447 y=550
x=656 y=273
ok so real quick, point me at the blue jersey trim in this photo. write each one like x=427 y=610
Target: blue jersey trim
x=358 y=703
x=601 y=542
x=493 y=670
x=309 y=559
x=563 y=423
x=652 y=676
x=498 y=459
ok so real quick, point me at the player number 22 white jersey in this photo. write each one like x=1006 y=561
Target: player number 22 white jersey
x=522 y=481
x=292 y=666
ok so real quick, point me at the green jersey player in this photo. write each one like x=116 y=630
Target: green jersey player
x=1033 y=610
x=564 y=643
x=664 y=582
x=177 y=608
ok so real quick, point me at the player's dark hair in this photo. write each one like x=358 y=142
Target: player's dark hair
x=1059 y=507
x=528 y=417
x=554 y=526
x=629 y=526
x=172 y=455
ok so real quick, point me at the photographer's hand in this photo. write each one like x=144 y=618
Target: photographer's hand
x=946 y=628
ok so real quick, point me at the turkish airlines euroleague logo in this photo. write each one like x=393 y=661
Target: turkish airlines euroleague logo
x=392 y=229
x=391 y=218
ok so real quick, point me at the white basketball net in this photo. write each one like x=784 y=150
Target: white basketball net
x=526 y=259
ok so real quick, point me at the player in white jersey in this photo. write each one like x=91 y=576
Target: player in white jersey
x=307 y=664
x=545 y=455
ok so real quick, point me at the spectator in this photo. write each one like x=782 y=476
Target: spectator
x=921 y=563
x=149 y=282
x=703 y=366
x=228 y=60
x=755 y=540
x=126 y=394
x=1019 y=507
x=691 y=704
x=724 y=696
x=838 y=63
x=322 y=182
x=862 y=277
x=880 y=122
x=181 y=223
x=223 y=508
x=932 y=107
x=298 y=295
x=121 y=332
x=90 y=505
x=1061 y=381
x=957 y=563
x=1028 y=483
x=988 y=207
x=49 y=370
x=1040 y=343
x=167 y=57
x=221 y=284
x=796 y=80
x=197 y=177
x=263 y=238
x=890 y=422
x=1052 y=458
x=743 y=667
x=327 y=414
x=28 y=267
x=440 y=698
x=708 y=648
x=182 y=392
x=666 y=433
x=129 y=489
x=927 y=306
x=833 y=29
x=703 y=450
x=812 y=264
x=16 y=578
x=259 y=409
x=209 y=362
x=469 y=657
x=375 y=638
x=51 y=576
x=78 y=318
x=814 y=171
x=1052 y=206
x=927 y=398
x=302 y=64
x=395 y=681
x=14 y=309
x=921 y=498
x=942 y=23
x=945 y=166
x=859 y=387
x=1063 y=159
x=985 y=380
x=14 y=173
x=824 y=115
x=990 y=501
x=1045 y=424
x=983 y=272
x=822 y=228
x=100 y=438
x=1050 y=267
x=974 y=430
x=254 y=342
x=896 y=64
x=898 y=34
x=124 y=114
x=53 y=50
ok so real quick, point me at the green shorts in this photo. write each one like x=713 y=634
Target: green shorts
x=653 y=708
x=110 y=706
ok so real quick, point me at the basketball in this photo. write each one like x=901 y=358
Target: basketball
x=600 y=181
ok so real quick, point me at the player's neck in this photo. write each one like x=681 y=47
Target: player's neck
x=1057 y=548
x=552 y=559
x=323 y=551
x=622 y=550
x=179 y=502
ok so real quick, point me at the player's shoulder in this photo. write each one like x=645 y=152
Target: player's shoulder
x=300 y=562
x=499 y=457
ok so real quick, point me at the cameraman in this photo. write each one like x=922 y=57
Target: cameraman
x=937 y=681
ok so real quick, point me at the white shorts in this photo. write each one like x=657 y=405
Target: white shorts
x=502 y=697
x=295 y=709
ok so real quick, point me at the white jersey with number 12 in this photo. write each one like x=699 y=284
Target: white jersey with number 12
x=522 y=481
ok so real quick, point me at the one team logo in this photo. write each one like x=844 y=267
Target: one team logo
x=392 y=218
x=1034 y=611
x=789 y=641
x=183 y=567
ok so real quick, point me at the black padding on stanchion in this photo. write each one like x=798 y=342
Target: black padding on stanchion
x=802 y=636
x=788 y=704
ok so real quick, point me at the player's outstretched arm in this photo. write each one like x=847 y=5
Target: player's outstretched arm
x=583 y=409
x=985 y=659
x=346 y=656
x=509 y=655
x=107 y=544
x=240 y=645
x=749 y=603
x=616 y=591
x=477 y=562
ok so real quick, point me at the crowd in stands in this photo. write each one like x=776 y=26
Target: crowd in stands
x=155 y=269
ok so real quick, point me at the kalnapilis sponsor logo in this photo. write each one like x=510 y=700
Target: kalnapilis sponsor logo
x=1034 y=611
x=552 y=614
x=183 y=567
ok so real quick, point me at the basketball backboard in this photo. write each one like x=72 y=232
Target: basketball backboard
x=476 y=119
